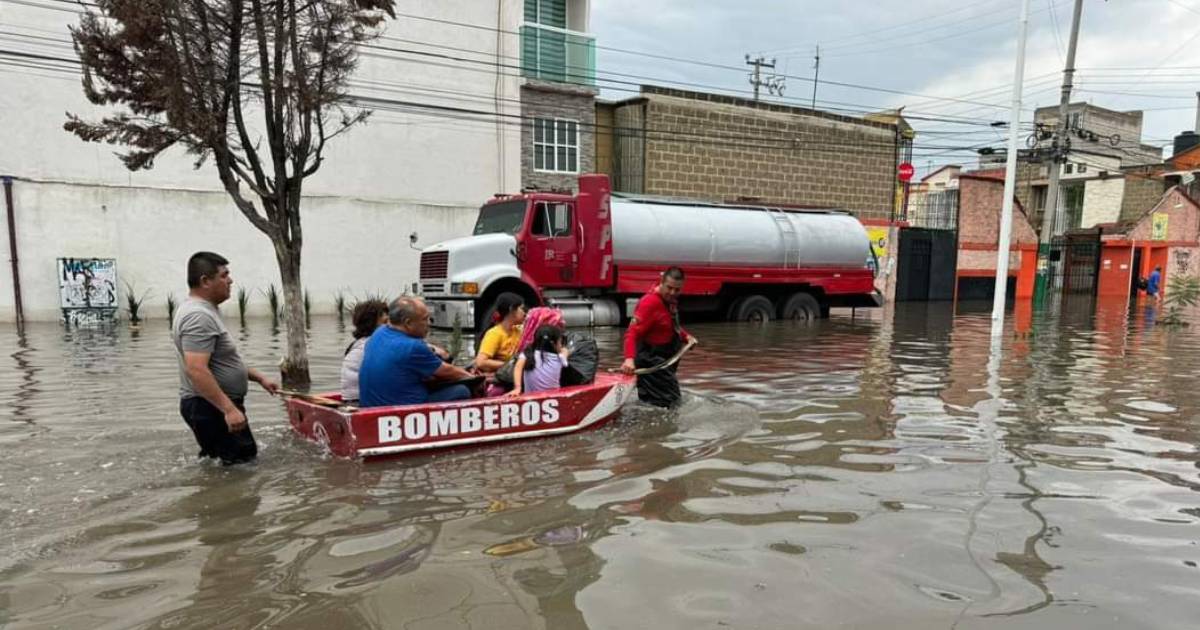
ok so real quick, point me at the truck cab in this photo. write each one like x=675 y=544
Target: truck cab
x=544 y=247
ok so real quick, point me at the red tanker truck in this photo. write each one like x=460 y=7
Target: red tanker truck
x=592 y=255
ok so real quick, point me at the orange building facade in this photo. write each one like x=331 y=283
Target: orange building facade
x=980 y=201
x=1167 y=236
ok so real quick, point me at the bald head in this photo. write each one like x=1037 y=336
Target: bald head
x=410 y=315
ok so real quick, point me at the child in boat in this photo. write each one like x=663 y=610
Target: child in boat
x=539 y=367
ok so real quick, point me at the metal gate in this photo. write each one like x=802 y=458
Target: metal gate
x=1077 y=262
x=927 y=262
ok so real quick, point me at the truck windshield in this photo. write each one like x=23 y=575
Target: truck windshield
x=500 y=218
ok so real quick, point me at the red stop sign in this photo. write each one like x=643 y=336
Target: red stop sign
x=905 y=171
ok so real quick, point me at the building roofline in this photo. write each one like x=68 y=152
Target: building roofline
x=1132 y=224
x=940 y=169
x=722 y=99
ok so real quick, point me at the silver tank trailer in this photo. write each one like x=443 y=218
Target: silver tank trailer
x=669 y=233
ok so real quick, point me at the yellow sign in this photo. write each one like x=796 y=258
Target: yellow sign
x=1158 y=227
x=879 y=240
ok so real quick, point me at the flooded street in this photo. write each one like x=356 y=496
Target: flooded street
x=858 y=473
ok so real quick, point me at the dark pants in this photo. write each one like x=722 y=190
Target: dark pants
x=212 y=434
x=660 y=388
x=447 y=394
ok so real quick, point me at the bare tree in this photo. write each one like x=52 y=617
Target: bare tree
x=257 y=86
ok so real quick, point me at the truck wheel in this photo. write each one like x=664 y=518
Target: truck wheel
x=752 y=308
x=801 y=306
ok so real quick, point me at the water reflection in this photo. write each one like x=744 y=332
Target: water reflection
x=864 y=472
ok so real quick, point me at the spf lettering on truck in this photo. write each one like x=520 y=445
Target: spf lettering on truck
x=463 y=421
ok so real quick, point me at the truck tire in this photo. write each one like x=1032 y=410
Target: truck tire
x=801 y=306
x=752 y=308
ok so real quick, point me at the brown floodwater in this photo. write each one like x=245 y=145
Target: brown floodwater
x=860 y=473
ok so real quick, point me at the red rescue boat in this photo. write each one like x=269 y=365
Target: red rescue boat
x=376 y=431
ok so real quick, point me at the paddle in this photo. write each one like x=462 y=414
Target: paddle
x=664 y=365
x=319 y=400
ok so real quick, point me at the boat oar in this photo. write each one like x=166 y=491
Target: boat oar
x=319 y=400
x=666 y=364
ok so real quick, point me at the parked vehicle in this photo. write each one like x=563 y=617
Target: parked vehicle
x=592 y=255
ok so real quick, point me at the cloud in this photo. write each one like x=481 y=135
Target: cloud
x=929 y=47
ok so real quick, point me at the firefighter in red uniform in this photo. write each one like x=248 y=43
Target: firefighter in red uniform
x=654 y=336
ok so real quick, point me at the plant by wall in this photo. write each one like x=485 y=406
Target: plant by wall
x=243 y=301
x=456 y=337
x=339 y=304
x=1183 y=295
x=133 y=303
x=274 y=300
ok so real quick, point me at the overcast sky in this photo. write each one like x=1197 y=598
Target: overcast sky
x=1133 y=54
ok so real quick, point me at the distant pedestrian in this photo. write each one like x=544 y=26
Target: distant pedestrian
x=213 y=380
x=1154 y=284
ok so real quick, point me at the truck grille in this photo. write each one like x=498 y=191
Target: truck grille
x=434 y=264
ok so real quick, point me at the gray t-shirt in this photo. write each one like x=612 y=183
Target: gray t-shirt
x=198 y=328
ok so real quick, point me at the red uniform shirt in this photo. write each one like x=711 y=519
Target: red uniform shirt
x=654 y=324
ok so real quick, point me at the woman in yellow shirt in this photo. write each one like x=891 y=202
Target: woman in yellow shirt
x=500 y=342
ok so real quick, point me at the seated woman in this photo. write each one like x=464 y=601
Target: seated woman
x=500 y=342
x=366 y=317
x=539 y=368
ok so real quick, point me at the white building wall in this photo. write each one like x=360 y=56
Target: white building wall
x=1102 y=201
x=410 y=168
x=352 y=246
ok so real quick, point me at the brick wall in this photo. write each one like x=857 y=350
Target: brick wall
x=979 y=206
x=724 y=148
x=629 y=147
x=605 y=116
x=1027 y=174
x=1141 y=193
x=1183 y=219
x=541 y=99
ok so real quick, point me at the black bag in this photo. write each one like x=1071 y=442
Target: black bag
x=584 y=361
x=504 y=376
x=1142 y=284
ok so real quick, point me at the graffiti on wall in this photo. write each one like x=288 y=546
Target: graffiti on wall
x=87 y=289
x=1183 y=261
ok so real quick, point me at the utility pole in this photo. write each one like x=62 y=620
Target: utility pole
x=1010 y=178
x=817 y=76
x=1052 y=219
x=756 y=77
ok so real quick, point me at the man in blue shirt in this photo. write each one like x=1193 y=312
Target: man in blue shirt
x=1154 y=282
x=398 y=365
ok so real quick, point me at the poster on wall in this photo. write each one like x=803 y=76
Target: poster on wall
x=879 y=238
x=1158 y=226
x=87 y=290
x=879 y=241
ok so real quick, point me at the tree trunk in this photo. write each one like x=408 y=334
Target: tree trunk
x=294 y=368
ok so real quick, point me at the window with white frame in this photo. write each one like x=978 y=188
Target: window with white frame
x=555 y=145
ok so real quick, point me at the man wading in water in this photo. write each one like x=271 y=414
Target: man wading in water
x=212 y=377
x=654 y=336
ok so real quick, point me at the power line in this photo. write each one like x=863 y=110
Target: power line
x=730 y=140
x=924 y=21
x=614 y=84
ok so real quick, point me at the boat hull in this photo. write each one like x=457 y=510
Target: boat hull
x=379 y=431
